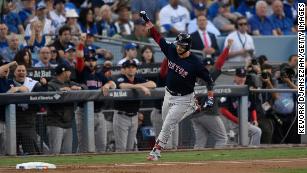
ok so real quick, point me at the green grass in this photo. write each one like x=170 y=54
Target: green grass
x=185 y=156
x=287 y=170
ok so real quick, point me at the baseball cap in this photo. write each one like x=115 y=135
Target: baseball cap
x=200 y=6
x=88 y=58
x=130 y=46
x=129 y=63
x=41 y=5
x=105 y=69
x=71 y=13
x=91 y=49
x=89 y=33
x=70 y=47
x=208 y=61
x=62 y=68
x=240 y=72
x=3 y=62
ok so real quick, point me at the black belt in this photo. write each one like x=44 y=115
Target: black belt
x=129 y=114
x=173 y=93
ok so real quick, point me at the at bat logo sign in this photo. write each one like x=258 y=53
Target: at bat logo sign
x=301 y=68
x=118 y=94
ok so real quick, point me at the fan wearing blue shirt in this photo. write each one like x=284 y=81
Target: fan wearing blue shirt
x=37 y=39
x=87 y=21
x=8 y=53
x=247 y=8
x=26 y=12
x=213 y=9
x=105 y=26
x=283 y=24
x=91 y=49
x=290 y=8
x=3 y=34
x=12 y=20
x=260 y=23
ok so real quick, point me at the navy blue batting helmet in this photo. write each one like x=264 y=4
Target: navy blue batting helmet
x=184 y=39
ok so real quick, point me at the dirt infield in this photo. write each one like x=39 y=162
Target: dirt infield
x=248 y=166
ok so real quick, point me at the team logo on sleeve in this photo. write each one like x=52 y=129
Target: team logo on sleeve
x=168 y=42
x=120 y=79
x=223 y=99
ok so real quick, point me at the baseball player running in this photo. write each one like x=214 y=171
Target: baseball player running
x=179 y=98
x=208 y=121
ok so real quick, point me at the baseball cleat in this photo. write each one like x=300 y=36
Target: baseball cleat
x=154 y=155
x=157 y=153
x=152 y=158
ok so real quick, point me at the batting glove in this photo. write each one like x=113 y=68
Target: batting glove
x=209 y=103
x=144 y=16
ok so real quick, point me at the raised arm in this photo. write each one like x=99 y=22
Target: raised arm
x=155 y=34
x=221 y=61
x=224 y=55
x=80 y=58
x=6 y=67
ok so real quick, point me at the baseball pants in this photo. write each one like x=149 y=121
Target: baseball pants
x=174 y=109
x=60 y=140
x=124 y=129
x=157 y=121
x=254 y=133
x=204 y=125
x=100 y=130
x=2 y=138
x=27 y=137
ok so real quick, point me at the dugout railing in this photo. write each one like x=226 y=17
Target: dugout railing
x=89 y=96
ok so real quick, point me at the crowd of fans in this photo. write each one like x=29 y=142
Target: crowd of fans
x=60 y=34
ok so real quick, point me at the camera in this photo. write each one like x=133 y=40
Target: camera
x=254 y=61
x=286 y=72
x=273 y=115
x=250 y=52
x=265 y=75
